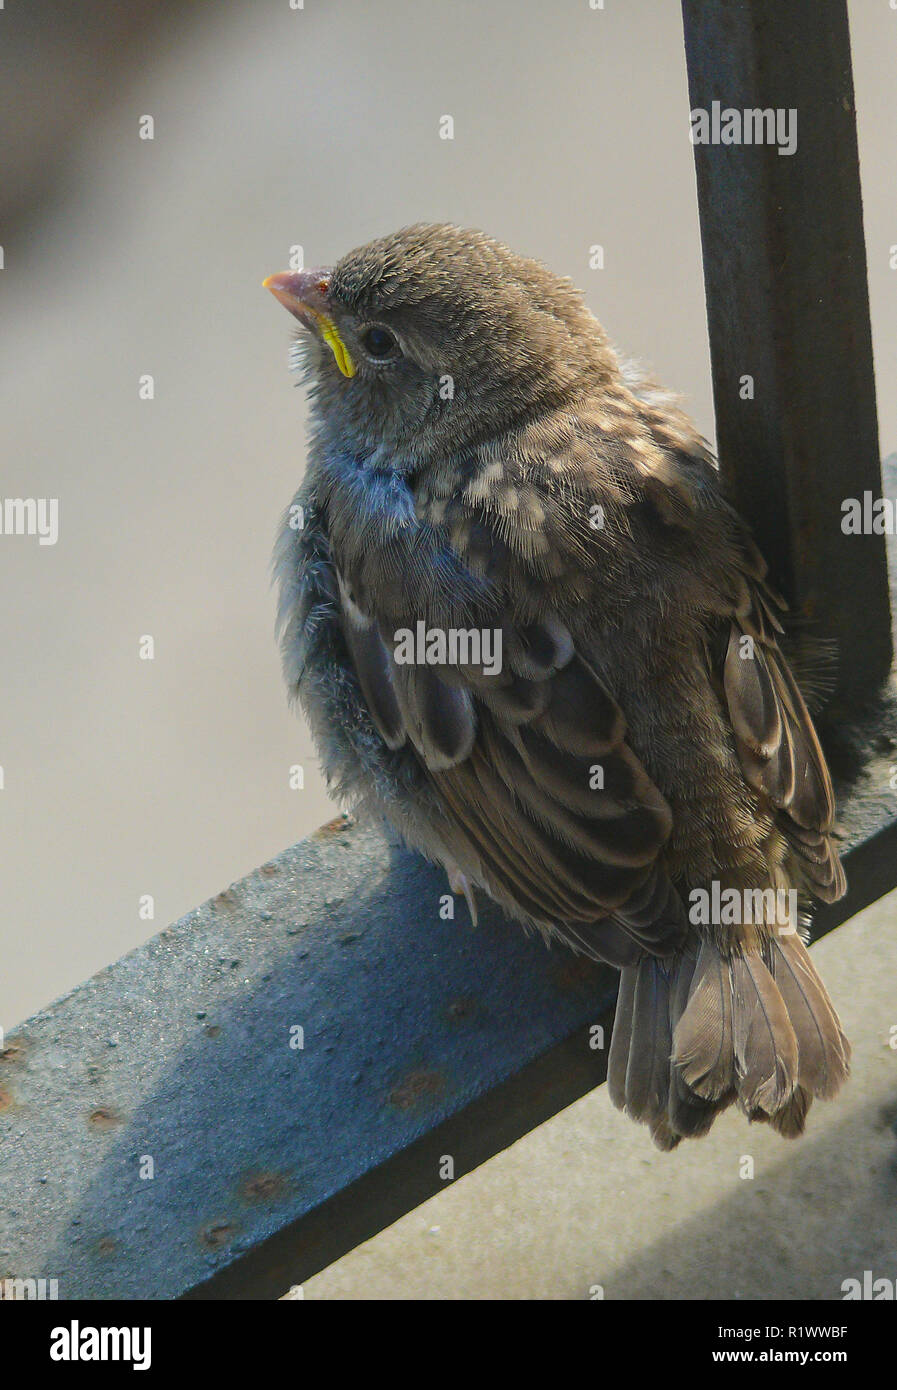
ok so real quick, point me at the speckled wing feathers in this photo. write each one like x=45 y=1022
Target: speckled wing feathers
x=777 y=744
x=512 y=757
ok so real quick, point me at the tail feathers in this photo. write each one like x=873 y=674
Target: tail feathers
x=823 y=1050
x=765 y=1042
x=688 y=1112
x=690 y=1116
x=618 y=1057
x=704 y=1038
x=647 y=1067
x=696 y=1032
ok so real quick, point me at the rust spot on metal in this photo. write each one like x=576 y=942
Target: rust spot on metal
x=226 y=900
x=6 y=1100
x=576 y=972
x=333 y=827
x=104 y=1118
x=263 y=1187
x=418 y=1086
x=465 y=1007
x=14 y=1051
x=106 y=1245
x=217 y=1234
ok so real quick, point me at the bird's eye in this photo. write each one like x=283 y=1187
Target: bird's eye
x=379 y=343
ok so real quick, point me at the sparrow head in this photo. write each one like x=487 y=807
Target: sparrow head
x=436 y=338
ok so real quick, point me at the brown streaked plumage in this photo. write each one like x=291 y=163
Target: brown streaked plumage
x=481 y=460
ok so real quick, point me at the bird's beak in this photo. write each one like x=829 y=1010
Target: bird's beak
x=304 y=293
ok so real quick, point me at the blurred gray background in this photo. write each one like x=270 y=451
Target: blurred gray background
x=273 y=126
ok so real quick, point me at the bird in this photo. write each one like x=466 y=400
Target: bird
x=529 y=631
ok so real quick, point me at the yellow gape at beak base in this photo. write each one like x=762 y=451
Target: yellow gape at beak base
x=337 y=346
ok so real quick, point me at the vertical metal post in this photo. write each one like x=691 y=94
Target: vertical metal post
x=787 y=306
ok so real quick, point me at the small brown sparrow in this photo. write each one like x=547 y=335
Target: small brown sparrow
x=527 y=629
